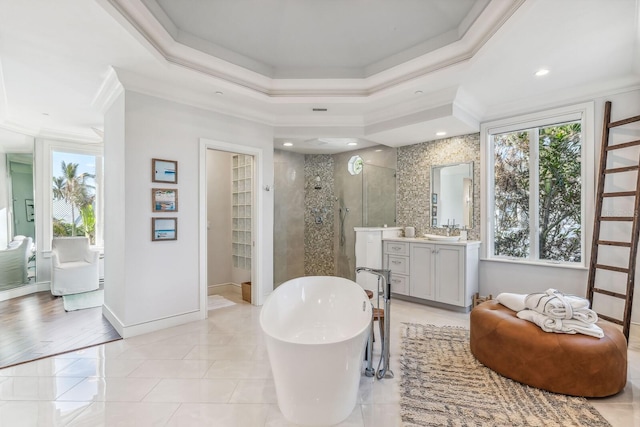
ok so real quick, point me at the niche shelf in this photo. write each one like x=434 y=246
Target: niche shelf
x=242 y=173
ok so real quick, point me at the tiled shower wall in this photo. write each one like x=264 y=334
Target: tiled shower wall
x=413 y=199
x=319 y=201
x=288 y=210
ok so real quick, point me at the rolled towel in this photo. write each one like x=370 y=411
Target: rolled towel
x=514 y=302
x=563 y=326
x=555 y=304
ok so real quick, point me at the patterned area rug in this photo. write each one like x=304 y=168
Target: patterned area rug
x=444 y=385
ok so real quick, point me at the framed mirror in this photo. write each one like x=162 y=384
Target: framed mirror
x=452 y=195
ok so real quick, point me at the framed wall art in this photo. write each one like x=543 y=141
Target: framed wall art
x=164 y=199
x=164 y=229
x=164 y=171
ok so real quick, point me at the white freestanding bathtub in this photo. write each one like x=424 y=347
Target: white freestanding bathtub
x=316 y=330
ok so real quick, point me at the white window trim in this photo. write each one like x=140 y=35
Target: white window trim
x=584 y=112
x=46 y=149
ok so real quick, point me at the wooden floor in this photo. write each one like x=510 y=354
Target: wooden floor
x=35 y=326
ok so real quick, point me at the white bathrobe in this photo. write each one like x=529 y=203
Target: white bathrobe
x=565 y=326
x=555 y=304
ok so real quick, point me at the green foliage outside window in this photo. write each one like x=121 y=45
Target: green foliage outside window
x=558 y=199
x=74 y=189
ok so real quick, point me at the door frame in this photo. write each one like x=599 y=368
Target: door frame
x=257 y=262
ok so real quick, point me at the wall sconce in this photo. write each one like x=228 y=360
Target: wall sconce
x=318 y=186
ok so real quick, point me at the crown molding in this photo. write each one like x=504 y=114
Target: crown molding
x=140 y=20
x=109 y=91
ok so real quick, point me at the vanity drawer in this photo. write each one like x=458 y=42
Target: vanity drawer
x=398 y=264
x=396 y=248
x=399 y=284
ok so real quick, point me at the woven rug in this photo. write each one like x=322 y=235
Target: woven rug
x=444 y=385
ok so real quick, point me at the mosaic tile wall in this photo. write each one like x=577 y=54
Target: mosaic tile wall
x=413 y=199
x=319 y=215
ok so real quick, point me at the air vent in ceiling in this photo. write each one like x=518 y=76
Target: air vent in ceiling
x=319 y=109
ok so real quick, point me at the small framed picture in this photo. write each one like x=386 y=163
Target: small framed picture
x=434 y=211
x=434 y=222
x=434 y=198
x=164 y=229
x=164 y=199
x=164 y=171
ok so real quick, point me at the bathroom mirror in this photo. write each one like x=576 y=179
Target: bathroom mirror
x=452 y=195
x=17 y=210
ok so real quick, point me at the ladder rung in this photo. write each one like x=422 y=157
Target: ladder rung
x=624 y=121
x=611 y=294
x=612 y=243
x=619 y=194
x=621 y=169
x=624 y=145
x=616 y=218
x=612 y=268
x=610 y=319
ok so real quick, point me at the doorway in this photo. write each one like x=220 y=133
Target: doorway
x=230 y=218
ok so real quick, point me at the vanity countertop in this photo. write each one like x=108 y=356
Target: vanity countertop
x=376 y=228
x=439 y=242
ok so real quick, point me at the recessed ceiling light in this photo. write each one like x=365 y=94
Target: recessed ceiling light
x=542 y=72
x=45 y=114
x=352 y=143
x=441 y=133
x=288 y=144
x=219 y=92
x=378 y=150
x=418 y=92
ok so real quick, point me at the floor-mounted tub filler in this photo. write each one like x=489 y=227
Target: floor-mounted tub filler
x=316 y=330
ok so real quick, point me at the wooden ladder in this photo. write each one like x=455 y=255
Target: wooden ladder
x=630 y=269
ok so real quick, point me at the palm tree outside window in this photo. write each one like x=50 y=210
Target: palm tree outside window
x=74 y=195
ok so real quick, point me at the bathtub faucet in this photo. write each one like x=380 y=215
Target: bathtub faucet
x=383 y=364
x=386 y=277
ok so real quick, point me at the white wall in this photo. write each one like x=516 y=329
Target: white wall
x=115 y=235
x=219 y=217
x=496 y=276
x=4 y=202
x=159 y=282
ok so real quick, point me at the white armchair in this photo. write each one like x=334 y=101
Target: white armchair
x=13 y=262
x=75 y=266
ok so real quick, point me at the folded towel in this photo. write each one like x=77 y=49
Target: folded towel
x=514 y=302
x=555 y=304
x=563 y=326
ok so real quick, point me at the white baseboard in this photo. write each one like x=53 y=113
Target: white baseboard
x=128 y=331
x=223 y=284
x=25 y=290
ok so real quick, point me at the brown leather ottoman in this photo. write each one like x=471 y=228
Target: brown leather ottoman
x=577 y=365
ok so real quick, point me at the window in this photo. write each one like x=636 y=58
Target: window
x=75 y=185
x=536 y=189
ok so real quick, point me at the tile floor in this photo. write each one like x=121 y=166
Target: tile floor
x=215 y=373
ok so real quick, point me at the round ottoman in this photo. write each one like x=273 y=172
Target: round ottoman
x=576 y=365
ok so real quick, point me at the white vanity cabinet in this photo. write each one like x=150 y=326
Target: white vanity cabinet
x=445 y=274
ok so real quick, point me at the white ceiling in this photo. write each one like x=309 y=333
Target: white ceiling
x=60 y=58
x=316 y=39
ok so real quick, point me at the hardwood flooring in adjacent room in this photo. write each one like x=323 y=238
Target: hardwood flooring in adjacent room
x=35 y=326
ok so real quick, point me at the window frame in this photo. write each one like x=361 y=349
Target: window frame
x=46 y=149
x=580 y=112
